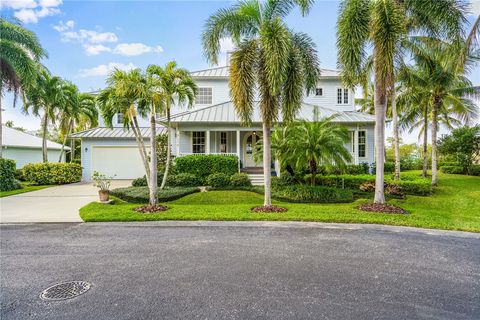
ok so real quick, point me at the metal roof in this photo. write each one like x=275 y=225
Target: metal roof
x=224 y=72
x=19 y=139
x=112 y=133
x=225 y=113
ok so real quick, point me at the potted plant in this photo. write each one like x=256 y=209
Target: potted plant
x=103 y=182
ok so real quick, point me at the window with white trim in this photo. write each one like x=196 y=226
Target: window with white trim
x=342 y=96
x=362 y=144
x=204 y=95
x=319 y=92
x=223 y=142
x=119 y=118
x=198 y=142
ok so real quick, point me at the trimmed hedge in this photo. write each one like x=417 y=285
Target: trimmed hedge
x=183 y=180
x=475 y=170
x=240 y=180
x=312 y=194
x=7 y=175
x=218 y=180
x=203 y=165
x=141 y=194
x=52 y=173
x=452 y=169
x=142 y=182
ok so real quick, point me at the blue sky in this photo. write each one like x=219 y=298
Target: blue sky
x=85 y=39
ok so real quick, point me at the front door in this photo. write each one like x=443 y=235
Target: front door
x=248 y=145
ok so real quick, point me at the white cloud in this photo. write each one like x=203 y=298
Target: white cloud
x=87 y=36
x=105 y=69
x=29 y=11
x=62 y=27
x=94 y=49
x=135 y=49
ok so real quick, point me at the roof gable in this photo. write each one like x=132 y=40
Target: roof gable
x=16 y=138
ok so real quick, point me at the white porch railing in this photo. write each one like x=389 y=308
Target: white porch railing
x=181 y=154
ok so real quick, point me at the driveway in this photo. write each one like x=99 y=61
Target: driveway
x=232 y=270
x=55 y=204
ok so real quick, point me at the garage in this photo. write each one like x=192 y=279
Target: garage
x=120 y=162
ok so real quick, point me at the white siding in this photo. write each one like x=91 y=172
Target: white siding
x=22 y=156
x=329 y=97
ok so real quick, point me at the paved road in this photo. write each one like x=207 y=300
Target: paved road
x=239 y=271
x=55 y=204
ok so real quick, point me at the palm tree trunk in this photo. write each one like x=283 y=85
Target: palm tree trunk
x=44 y=137
x=141 y=147
x=62 y=150
x=425 y=144
x=153 y=159
x=396 y=139
x=380 y=114
x=169 y=141
x=434 y=142
x=1 y=127
x=267 y=162
x=313 y=171
x=72 y=150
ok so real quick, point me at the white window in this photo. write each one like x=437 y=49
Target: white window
x=223 y=142
x=319 y=92
x=362 y=144
x=342 y=96
x=198 y=142
x=204 y=95
x=119 y=118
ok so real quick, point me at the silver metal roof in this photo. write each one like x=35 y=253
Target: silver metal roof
x=112 y=133
x=224 y=72
x=15 y=138
x=225 y=113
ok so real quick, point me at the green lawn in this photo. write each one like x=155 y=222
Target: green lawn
x=26 y=188
x=455 y=206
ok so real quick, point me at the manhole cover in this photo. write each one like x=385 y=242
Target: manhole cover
x=66 y=290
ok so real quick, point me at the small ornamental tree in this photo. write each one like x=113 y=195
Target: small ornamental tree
x=464 y=144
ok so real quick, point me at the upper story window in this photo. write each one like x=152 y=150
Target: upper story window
x=204 y=95
x=319 y=92
x=362 y=144
x=119 y=118
x=198 y=142
x=342 y=96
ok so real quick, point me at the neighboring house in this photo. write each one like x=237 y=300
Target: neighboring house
x=213 y=127
x=26 y=148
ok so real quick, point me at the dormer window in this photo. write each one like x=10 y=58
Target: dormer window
x=319 y=92
x=342 y=96
x=204 y=95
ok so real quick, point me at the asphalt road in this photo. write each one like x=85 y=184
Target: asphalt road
x=239 y=271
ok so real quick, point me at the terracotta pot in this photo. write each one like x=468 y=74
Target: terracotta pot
x=104 y=195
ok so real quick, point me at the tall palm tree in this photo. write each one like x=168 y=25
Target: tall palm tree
x=177 y=88
x=20 y=52
x=44 y=98
x=441 y=86
x=385 y=24
x=320 y=142
x=268 y=56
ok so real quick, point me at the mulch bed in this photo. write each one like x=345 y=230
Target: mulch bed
x=382 y=208
x=269 y=209
x=151 y=209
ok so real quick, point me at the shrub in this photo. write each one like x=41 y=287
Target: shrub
x=240 y=180
x=475 y=170
x=140 y=182
x=7 y=175
x=312 y=194
x=183 y=180
x=203 y=165
x=420 y=187
x=286 y=179
x=363 y=168
x=218 y=180
x=19 y=175
x=452 y=169
x=368 y=186
x=52 y=173
x=141 y=194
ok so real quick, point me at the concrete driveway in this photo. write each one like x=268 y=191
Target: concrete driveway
x=55 y=204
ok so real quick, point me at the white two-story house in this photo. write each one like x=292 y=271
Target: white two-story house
x=213 y=127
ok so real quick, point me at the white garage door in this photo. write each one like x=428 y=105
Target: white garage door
x=123 y=162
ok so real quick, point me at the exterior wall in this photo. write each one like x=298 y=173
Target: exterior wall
x=142 y=122
x=329 y=97
x=86 y=151
x=22 y=156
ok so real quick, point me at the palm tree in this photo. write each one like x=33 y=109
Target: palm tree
x=79 y=109
x=20 y=52
x=176 y=87
x=385 y=24
x=320 y=142
x=122 y=93
x=44 y=98
x=269 y=56
x=439 y=85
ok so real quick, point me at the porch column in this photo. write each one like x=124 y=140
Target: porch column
x=355 y=146
x=207 y=142
x=238 y=148
x=177 y=141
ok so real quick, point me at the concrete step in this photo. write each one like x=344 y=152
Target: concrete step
x=256 y=179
